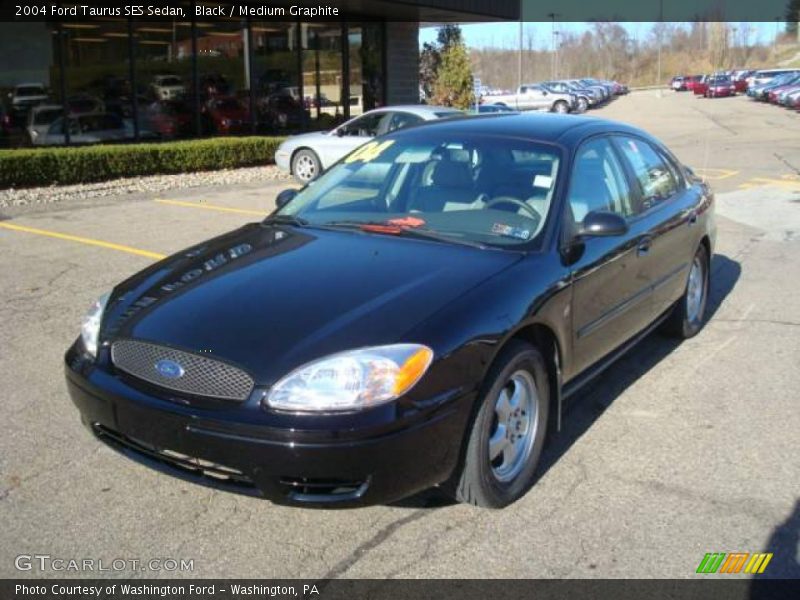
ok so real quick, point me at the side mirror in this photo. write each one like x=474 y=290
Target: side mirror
x=601 y=223
x=339 y=131
x=284 y=197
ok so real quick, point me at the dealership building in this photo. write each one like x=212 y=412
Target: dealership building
x=265 y=73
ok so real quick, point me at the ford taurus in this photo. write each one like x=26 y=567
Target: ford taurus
x=416 y=317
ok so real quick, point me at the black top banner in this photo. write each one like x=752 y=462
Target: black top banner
x=407 y=10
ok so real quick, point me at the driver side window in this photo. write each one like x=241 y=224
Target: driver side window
x=366 y=126
x=598 y=182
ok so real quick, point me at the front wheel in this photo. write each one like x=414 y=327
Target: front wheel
x=583 y=105
x=508 y=434
x=688 y=315
x=305 y=165
x=560 y=107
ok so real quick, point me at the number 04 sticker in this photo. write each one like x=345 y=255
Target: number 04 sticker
x=368 y=152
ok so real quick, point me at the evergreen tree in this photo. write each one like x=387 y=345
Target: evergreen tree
x=453 y=85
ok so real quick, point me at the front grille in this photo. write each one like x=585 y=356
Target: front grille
x=198 y=375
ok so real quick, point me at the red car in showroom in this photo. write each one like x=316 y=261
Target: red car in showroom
x=169 y=118
x=227 y=115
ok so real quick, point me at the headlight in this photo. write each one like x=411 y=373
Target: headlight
x=352 y=380
x=90 y=328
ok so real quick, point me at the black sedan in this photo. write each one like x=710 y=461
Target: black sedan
x=415 y=317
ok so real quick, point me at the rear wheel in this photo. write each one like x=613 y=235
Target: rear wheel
x=305 y=165
x=509 y=431
x=688 y=315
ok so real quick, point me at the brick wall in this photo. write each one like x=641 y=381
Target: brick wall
x=402 y=63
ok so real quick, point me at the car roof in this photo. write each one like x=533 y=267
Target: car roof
x=423 y=110
x=545 y=127
x=31 y=84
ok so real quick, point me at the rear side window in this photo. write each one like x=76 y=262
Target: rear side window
x=655 y=179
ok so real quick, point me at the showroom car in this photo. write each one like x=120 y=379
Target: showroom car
x=305 y=156
x=418 y=316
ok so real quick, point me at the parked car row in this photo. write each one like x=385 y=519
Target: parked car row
x=733 y=81
x=559 y=96
x=778 y=86
x=781 y=87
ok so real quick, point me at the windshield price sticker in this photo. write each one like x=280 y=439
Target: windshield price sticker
x=368 y=152
x=509 y=231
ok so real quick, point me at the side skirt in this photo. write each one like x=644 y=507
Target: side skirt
x=580 y=380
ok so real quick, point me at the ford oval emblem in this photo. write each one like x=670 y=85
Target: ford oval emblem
x=169 y=369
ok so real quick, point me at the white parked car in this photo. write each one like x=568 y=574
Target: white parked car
x=25 y=95
x=168 y=87
x=306 y=156
x=85 y=129
x=40 y=118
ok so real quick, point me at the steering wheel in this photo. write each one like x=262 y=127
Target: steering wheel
x=514 y=201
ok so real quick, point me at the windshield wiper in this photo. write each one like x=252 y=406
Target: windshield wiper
x=413 y=232
x=286 y=220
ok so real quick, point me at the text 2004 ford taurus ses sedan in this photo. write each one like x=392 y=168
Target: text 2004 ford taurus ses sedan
x=415 y=317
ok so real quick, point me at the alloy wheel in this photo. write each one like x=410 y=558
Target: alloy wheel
x=514 y=427
x=695 y=291
x=305 y=167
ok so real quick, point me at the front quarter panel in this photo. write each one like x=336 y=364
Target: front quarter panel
x=468 y=334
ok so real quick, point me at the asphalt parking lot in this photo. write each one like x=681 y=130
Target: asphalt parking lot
x=676 y=451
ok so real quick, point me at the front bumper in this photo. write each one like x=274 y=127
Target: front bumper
x=283 y=159
x=287 y=466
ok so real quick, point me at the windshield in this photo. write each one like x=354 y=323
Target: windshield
x=454 y=187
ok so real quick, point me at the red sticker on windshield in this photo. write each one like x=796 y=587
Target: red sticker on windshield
x=407 y=222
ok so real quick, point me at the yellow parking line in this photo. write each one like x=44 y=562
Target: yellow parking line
x=241 y=211
x=783 y=182
x=83 y=240
x=718 y=174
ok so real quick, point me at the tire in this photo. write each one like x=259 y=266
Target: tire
x=688 y=315
x=561 y=107
x=519 y=370
x=305 y=165
x=583 y=105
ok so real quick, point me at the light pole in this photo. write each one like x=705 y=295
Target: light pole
x=556 y=46
x=519 y=58
x=733 y=47
x=775 y=39
x=553 y=16
x=660 y=34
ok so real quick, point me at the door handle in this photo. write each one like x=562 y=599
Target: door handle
x=692 y=218
x=644 y=246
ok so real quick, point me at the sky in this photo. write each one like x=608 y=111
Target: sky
x=506 y=35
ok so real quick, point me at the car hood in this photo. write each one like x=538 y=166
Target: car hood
x=271 y=298
x=305 y=139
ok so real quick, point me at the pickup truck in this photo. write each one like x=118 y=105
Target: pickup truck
x=535 y=97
